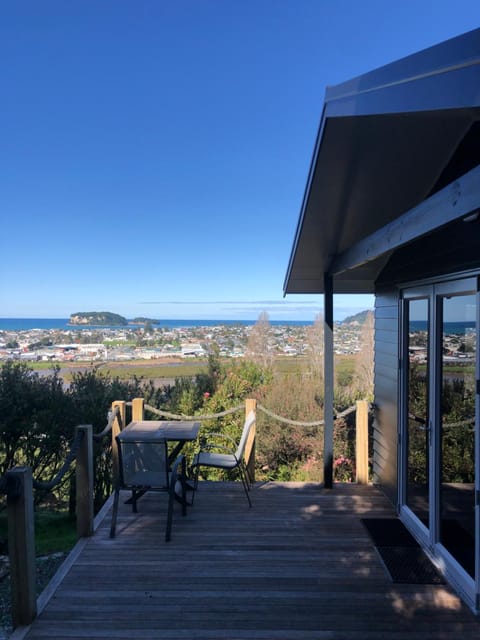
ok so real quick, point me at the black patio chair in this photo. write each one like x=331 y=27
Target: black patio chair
x=144 y=466
x=229 y=458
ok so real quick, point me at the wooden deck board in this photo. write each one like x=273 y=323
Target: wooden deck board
x=298 y=565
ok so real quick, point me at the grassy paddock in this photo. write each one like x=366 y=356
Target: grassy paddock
x=42 y=366
x=150 y=370
x=127 y=370
x=176 y=370
x=343 y=363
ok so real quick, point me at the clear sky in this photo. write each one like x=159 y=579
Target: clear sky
x=154 y=154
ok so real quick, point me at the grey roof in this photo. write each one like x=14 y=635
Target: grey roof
x=386 y=141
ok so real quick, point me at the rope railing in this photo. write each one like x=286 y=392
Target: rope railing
x=295 y=423
x=222 y=414
x=210 y=416
x=57 y=479
x=463 y=423
x=111 y=415
x=115 y=414
x=346 y=412
x=451 y=425
x=299 y=423
x=362 y=410
x=59 y=476
x=7 y=482
x=18 y=484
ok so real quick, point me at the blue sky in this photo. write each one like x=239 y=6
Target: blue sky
x=154 y=154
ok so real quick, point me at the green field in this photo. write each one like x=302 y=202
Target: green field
x=128 y=371
x=148 y=370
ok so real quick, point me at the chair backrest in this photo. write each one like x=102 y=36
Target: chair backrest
x=142 y=464
x=249 y=422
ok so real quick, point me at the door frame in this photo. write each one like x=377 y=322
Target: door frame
x=429 y=537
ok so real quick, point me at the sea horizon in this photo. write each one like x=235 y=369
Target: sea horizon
x=29 y=324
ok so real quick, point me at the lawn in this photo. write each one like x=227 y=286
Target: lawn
x=55 y=531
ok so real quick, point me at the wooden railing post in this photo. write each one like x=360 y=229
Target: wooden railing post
x=117 y=425
x=84 y=481
x=251 y=405
x=137 y=409
x=361 y=453
x=21 y=547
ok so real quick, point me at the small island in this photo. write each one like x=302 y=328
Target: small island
x=144 y=321
x=97 y=318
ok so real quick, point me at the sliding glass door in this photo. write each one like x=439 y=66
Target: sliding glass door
x=458 y=353
x=417 y=475
x=439 y=439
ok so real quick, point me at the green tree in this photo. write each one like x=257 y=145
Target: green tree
x=91 y=394
x=35 y=419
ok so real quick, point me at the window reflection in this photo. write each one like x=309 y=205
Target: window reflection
x=418 y=437
x=457 y=441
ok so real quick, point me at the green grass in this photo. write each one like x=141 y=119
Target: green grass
x=343 y=363
x=55 y=531
x=289 y=364
x=41 y=366
x=156 y=371
x=127 y=370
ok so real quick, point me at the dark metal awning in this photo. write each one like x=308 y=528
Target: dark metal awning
x=387 y=141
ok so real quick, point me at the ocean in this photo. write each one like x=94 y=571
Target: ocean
x=26 y=324
x=450 y=328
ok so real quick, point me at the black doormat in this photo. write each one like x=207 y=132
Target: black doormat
x=389 y=532
x=460 y=543
x=402 y=556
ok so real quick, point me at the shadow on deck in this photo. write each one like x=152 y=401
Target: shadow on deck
x=299 y=565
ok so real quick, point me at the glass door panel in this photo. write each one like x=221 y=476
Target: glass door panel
x=458 y=350
x=417 y=380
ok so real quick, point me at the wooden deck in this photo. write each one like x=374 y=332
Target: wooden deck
x=299 y=565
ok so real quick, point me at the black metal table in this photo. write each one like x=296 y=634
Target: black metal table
x=179 y=432
x=154 y=431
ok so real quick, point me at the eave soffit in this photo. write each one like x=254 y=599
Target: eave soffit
x=373 y=129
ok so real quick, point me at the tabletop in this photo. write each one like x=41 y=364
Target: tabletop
x=151 y=430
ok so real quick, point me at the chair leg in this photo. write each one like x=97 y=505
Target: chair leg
x=183 y=484
x=249 y=479
x=175 y=477
x=244 y=478
x=196 y=473
x=168 y=530
x=114 y=513
x=134 y=501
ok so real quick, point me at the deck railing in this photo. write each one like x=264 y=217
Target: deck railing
x=18 y=484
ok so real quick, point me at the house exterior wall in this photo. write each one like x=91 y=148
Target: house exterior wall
x=385 y=424
x=447 y=253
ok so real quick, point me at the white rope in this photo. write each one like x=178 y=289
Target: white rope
x=111 y=415
x=298 y=423
x=295 y=423
x=175 y=416
x=221 y=414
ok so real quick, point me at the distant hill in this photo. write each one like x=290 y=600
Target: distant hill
x=358 y=318
x=98 y=318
